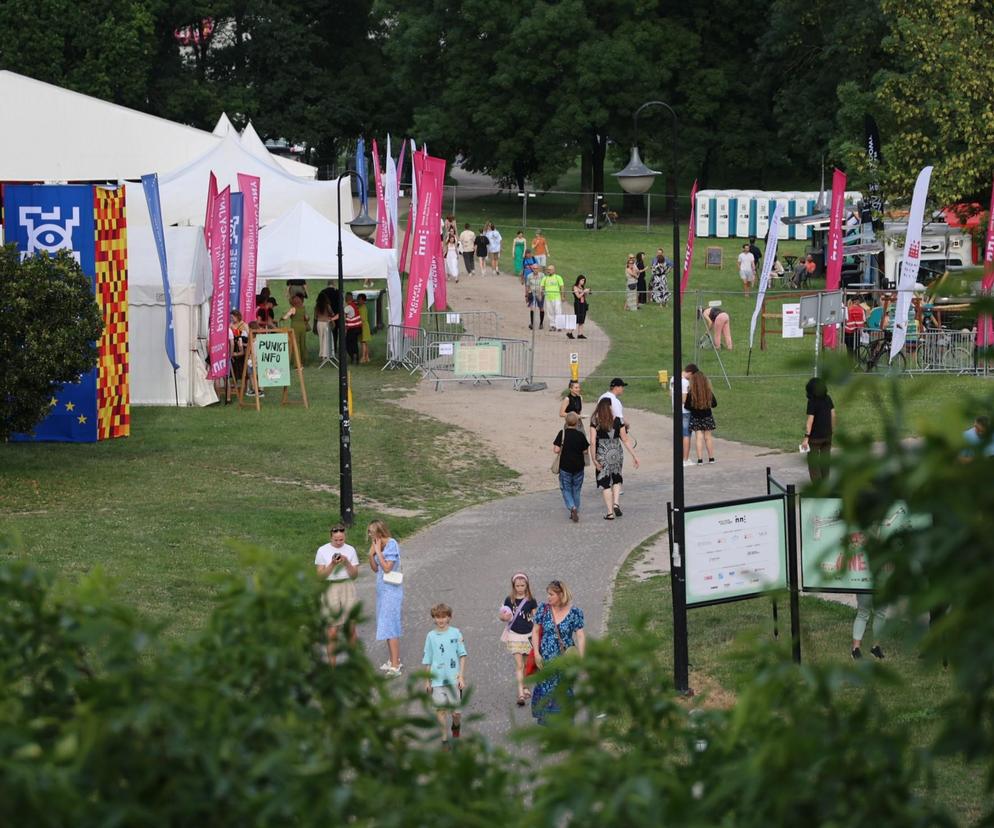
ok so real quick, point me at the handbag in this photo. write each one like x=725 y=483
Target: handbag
x=506 y=634
x=531 y=666
x=555 y=461
x=563 y=649
x=393 y=577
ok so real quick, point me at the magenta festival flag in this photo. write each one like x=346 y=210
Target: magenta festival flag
x=436 y=269
x=691 y=232
x=248 y=185
x=382 y=214
x=985 y=327
x=833 y=259
x=211 y=197
x=425 y=235
x=217 y=331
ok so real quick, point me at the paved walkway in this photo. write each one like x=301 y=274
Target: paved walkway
x=467 y=560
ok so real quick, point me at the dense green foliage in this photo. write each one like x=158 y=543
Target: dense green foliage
x=50 y=324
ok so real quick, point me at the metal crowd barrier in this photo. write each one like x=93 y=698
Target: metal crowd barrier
x=406 y=348
x=950 y=352
x=475 y=323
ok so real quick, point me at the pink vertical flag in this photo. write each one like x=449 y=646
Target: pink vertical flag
x=691 y=232
x=985 y=327
x=436 y=268
x=211 y=197
x=382 y=214
x=425 y=236
x=833 y=258
x=248 y=185
x=217 y=331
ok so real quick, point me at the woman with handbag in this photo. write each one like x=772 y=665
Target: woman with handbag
x=570 y=447
x=384 y=560
x=558 y=629
x=517 y=613
x=608 y=441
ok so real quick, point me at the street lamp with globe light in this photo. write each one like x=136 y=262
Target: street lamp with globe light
x=637 y=178
x=363 y=227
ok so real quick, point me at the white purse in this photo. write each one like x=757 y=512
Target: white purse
x=393 y=577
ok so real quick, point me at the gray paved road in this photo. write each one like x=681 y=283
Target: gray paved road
x=467 y=559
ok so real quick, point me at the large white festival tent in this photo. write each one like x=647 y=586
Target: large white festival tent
x=303 y=244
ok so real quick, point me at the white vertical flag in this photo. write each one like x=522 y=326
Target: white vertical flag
x=391 y=195
x=912 y=258
x=768 y=257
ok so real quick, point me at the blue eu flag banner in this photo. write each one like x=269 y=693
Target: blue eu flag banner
x=360 y=166
x=150 y=184
x=44 y=220
x=236 y=236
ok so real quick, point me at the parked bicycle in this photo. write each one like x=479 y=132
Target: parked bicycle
x=876 y=352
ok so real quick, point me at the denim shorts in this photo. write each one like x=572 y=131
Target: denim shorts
x=686 y=423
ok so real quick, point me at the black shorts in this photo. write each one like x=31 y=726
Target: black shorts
x=580 y=311
x=608 y=481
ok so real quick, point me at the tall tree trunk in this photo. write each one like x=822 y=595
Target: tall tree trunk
x=584 y=203
x=519 y=175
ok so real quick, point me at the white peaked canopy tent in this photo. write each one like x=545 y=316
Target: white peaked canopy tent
x=253 y=144
x=190 y=286
x=183 y=192
x=223 y=126
x=53 y=134
x=304 y=244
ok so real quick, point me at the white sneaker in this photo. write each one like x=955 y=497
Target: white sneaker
x=687 y=463
x=393 y=672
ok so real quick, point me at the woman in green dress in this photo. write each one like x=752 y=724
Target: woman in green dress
x=519 y=253
x=366 y=336
x=298 y=324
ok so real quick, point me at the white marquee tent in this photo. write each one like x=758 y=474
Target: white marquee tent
x=183 y=192
x=254 y=145
x=151 y=374
x=304 y=244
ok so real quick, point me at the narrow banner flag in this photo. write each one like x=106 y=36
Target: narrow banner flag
x=764 y=277
x=211 y=198
x=985 y=327
x=912 y=259
x=382 y=218
x=235 y=265
x=425 y=246
x=150 y=184
x=412 y=211
x=691 y=232
x=833 y=258
x=249 y=187
x=390 y=190
x=360 y=166
x=217 y=329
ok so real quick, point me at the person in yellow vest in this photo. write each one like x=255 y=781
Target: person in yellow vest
x=552 y=286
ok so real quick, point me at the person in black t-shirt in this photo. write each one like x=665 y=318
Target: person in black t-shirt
x=757 y=254
x=517 y=613
x=571 y=445
x=482 y=245
x=818 y=429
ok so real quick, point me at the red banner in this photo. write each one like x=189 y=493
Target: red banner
x=833 y=254
x=413 y=209
x=382 y=214
x=217 y=331
x=691 y=232
x=425 y=247
x=211 y=198
x=248 y=186
x=985 y=327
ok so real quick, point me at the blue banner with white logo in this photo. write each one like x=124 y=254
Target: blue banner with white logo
x=237 y=232
x=360 y=167
x=150 y=184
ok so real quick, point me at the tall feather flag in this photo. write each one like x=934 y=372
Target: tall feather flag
x=360 y=167
x=764 y=279
x=985 y=327
x=391 y=196
x=150 y=184
x=691 y=233
x=911 y=262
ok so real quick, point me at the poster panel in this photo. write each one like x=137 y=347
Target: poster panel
x=272 y=355
x=477 y=360
x=735 y=550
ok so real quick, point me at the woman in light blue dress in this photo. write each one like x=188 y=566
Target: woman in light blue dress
x=384 y=558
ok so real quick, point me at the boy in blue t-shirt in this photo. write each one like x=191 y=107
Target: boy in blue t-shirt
x=445 y=657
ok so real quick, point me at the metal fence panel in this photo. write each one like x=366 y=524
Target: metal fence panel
x=475 y=323
x=951 y=352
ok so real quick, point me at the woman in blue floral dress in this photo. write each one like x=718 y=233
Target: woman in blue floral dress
x=558 y=627
x=384 y=557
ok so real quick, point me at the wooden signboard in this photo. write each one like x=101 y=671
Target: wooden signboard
x=271 y=353
x=713 y=258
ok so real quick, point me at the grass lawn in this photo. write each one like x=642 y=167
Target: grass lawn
x=160 y=509
x=767 y=407
x=719 y=636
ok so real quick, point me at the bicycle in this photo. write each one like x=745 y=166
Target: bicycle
x=868 y=356
x=941 y=353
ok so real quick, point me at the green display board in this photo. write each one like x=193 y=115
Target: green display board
x=272 y=359
x=735 y=550
x=478 y=360
x=833 y=559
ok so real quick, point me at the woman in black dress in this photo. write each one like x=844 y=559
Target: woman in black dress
x=608 y=441
x=642 y=285
x=580 y=305
x=818 y=428
x=700 y=401
x=573 y=401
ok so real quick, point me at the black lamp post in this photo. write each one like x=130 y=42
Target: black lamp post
x=363 y=227
x=637 y=178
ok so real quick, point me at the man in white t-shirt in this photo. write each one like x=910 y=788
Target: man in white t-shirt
x=338 y=563
x=616 y=390
x=747 y=268
x=467 y=244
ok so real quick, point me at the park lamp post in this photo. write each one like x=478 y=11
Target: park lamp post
x=637 y=178
x=363 y=227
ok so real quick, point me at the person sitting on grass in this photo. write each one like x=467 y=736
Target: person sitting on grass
x=445 y=657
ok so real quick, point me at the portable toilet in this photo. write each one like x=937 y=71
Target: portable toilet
x=784 y=202
x=812 y=199
x=762 y=215
x=743 y=212
x=721 y=208
x=702 y=226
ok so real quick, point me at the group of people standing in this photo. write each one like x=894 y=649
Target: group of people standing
x=477 y=249
x=602 y=446
x=641 y=289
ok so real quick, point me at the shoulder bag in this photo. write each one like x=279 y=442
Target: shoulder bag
x=555 y=460
x=394 y=576
x=504 y=636
x=563 y=649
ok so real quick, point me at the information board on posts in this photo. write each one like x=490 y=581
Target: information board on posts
x=477 y=360
x=272 y=355
x=735 y=550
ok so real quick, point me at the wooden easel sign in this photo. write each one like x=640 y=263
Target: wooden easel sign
x=270 y=354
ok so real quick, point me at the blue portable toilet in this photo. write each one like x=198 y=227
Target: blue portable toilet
x=733 y=213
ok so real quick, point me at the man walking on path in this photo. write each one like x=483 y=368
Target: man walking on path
x=747 y=269
x=614 y=394
x=552 y=287
x=467 y=243
x=540 y=248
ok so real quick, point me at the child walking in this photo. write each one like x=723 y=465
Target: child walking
x=445 y=657
x=517 y=613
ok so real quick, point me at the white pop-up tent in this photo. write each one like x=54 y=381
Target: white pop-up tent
x=190 y=286
x=183 y=192
x=304 y=244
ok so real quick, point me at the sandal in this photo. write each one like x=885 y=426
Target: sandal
x=609 y=517
x=521 y=700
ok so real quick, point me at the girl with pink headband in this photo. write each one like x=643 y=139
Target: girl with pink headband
x=516 y=614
